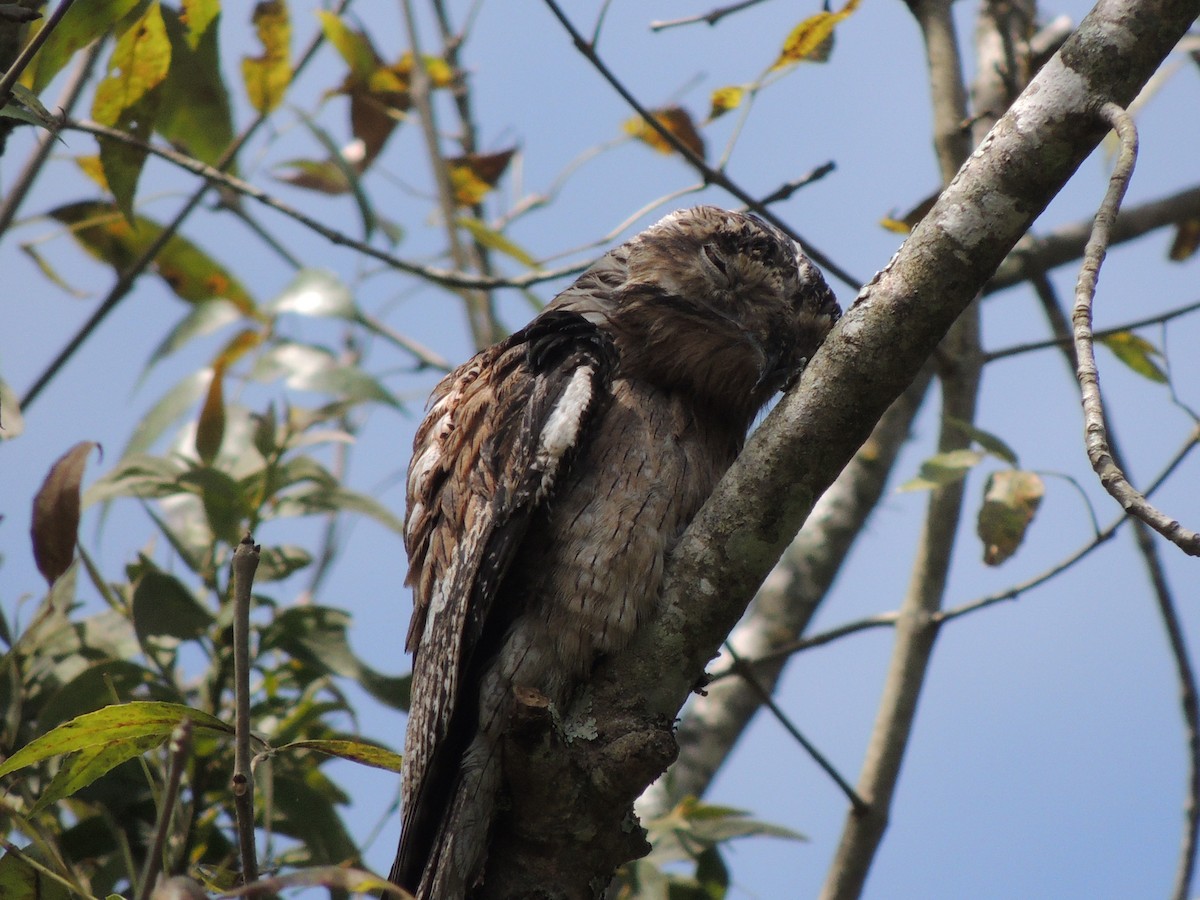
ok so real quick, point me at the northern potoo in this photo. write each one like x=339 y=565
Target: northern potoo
x=550 y=479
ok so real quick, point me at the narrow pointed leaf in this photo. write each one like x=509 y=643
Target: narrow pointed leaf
x=1137 y=353
x=355 y=751
x=210 y=427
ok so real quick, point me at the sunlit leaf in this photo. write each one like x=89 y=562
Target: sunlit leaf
x=1137 y=353
x=353 y=46
x=210 y=427
x=55 y=526
x=277 y=563
x=355 y=751
x=324 y=176
x=1010 y=501
x=206 y=317
x=473 y=176
x=170 y=408
x=812 y=39
x=316 y=292
x=725 y=99
x=1186 y=240
x=86 y=23
x=676 y=120
x=36 y=113
x=942 y=469
x=127 y=99
x=268 y=75
x=308 y=368
x=197 y=16
x=195 y=113
x=84 y=766
x=693 y=826
x=189 y=272
x=224 y=507
x=437 y=69
x=122 y=721
x=495 y=240
x=138 y=476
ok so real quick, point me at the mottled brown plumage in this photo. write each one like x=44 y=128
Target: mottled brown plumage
x=550 y=479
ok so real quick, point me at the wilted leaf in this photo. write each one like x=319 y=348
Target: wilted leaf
x=210 y=427
x=907 y=222
x=941 y=469
x=676 y=120
x=1010 y=501
x=724 y=100
x=326 y=176
x=812 y=39
x=475 y=174
x=164 y=607
x=1136 y=352
x=1186 y=241
x=55 y=526
x=119 y=722
x=195 y=113
x=12 y=423
x=189 y=272
x=268 y=75
x=494 y=240
x=86 y=23
x=355 y=751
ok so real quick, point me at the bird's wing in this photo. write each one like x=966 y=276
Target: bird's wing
x=499 y=433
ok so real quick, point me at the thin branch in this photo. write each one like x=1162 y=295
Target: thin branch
x=180 y=744
x=710 y=175
x=1068 y=340
x=245 y=562
x=1111 y=476
x=33 y=166
x=9 y=78
x=747 y=674
x=712 y=17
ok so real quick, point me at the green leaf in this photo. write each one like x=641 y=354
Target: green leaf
x=138 y=476
x=224 y=506
x=316 y=636
x=355 y=751
x=204 y=318
x=119 y=722
x=87 y=22
x=942 y=469
x=195 y=113
x=268 y=75
x=319 y=498
x=494 y=240
x=127 y=99
x=353 y=46
x=188 y=271
x=305 y=810
x=30 y=109
x=277 y=563
x=985 y=439
x=20 y=880
x=308 y=368
x=164 y=607
x=170 y=408
x=55 y=525
x=1137 y=353
x=84 y=766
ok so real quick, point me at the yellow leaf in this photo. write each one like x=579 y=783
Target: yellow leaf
x=140 y=62
x=812 y=39
x=268 y=75
x=676 y=120
x=474 y=175
x=1137 y=353
x=439 y=71
x=725 y=99
x=907 y=222
x=1010 y=501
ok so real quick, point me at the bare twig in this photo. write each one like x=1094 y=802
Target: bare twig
x=245 y=562
x=180 y=745
x=1111 y=476
x=710 y=175
x=712 y=17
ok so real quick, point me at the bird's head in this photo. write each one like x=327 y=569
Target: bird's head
x=719 y=304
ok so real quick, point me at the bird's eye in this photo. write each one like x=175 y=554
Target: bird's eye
x=715 y=258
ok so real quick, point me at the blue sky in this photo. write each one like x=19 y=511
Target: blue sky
x=1048 y=754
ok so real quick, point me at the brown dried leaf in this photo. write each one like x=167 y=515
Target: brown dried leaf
x=1010 y=501
x=210 y=428
x=676 y=120
x=475 y=174
x=55 y=525
x=1186 y=242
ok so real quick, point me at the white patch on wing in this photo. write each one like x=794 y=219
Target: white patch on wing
x=562 y=428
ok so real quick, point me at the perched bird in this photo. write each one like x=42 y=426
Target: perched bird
x=550 y=479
